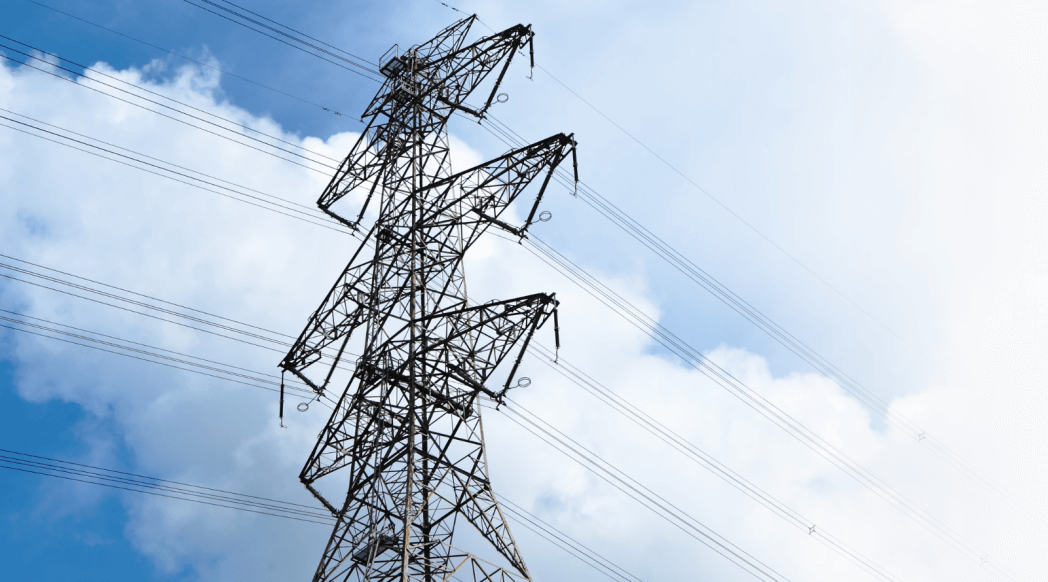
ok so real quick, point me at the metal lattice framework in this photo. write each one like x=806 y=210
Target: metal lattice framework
x=407 y=428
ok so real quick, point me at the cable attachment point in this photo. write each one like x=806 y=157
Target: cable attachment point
x=575 y=163
x=556 y=333
x=522 y=382
x=531 y=50
x=811 y=529
x=282 y=399
x=921 y=437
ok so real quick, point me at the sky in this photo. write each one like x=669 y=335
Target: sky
x=871 y=176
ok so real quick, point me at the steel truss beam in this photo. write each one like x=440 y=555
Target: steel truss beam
x=407 y=428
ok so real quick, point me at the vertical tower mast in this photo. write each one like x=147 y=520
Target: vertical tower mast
x=406 y=429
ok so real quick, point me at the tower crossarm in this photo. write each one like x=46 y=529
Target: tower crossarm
x=478 y=339
x=406 y=426
x=431 y=80
x=473 y=199
x=478 y=197
x=344 y=308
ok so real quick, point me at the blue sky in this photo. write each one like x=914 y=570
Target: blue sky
x=723 y=147
x=84 y=541
x=889 y=147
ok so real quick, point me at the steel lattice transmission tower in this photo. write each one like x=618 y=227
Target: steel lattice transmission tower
x=407 y=428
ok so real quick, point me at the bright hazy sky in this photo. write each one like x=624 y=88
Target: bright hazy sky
x=871 y=176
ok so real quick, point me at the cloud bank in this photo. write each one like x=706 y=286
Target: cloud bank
x=78 y=213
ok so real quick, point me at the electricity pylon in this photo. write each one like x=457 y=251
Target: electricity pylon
x=407 y=427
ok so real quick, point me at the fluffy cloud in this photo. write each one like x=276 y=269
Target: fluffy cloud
x=78 y=213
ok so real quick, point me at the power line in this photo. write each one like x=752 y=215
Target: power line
x=137 y=303
x=134 y=357
x=861 y=393
x=690 y=270
x=732 y=385
x=189 y=59
x=230 y=373
x=162 y=96
x=634 y=414
x=355 y=57
x=148 y=350
x=308 y=217
x=158 y=300
x=758 y=403
x=301 y=208
x=428 y=354
x=254 y=498
x=16 y=464
x=745 y=222
x=633 y=489
x=152 y=354
x=618 y=476
x=587 y=383
x=543 y=529
x=183 y=491
x=559 y=143
x=776 y=332
x=354 y=71
x=591 y=559
x=574 y=375
x=21 y=130
x=728 y=209
x=154 y=111
x=158 y=318
x=554 y=533
x=300 y=389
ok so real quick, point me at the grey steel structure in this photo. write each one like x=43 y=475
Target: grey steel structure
x=407 y=428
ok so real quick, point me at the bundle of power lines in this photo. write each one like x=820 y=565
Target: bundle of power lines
x=41 y=276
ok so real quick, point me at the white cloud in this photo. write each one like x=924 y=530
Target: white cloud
x=75 y=212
